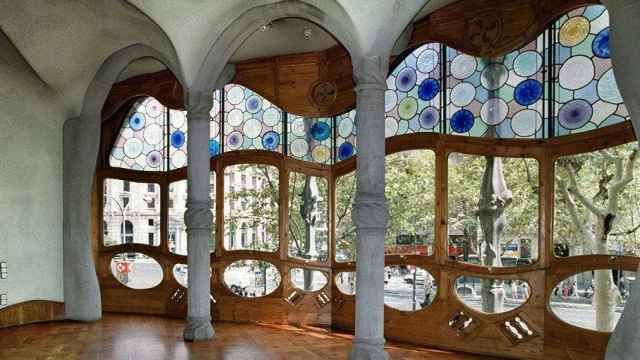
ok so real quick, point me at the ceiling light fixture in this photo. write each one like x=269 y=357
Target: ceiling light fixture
x=266 y=26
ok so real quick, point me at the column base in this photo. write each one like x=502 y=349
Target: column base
x=368 y=349
x=198 y=329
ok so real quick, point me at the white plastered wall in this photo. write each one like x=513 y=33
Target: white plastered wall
x=30 y=182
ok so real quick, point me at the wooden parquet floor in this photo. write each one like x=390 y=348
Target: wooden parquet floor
x=147 y=337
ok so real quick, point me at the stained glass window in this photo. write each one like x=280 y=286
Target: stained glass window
x=310 y=138
x=216 y=118
x=251 y=121
x=346 y=135
x=504 y=93
x=177 y=139
x=586 y=93
x=412 y=99
x=141 y=142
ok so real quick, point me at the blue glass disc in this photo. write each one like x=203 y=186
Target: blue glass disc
x=320 y=131
x=429 y=89
x=177 y=139
x=600 y=45
x=214 y=147
x=406 y=79
x=528 y=92
x=462 y=121
x=136 y=121
x=345 y=151
x=270 y=140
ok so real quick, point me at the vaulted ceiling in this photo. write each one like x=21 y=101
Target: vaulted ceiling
x=65 y=42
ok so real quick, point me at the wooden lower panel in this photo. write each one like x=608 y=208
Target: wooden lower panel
x=31 y=312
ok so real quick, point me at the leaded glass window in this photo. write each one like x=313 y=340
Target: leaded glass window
x=141 y=142
x=346 y=135
x=310 y=138
x=251 y=121
x=412 y=99
x=586 y=93
x=504 y=93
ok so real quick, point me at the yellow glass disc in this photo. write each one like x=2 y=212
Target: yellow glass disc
x=574 y=31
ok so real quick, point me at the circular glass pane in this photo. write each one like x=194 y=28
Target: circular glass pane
x=136 y=270
x=251 y=278
x=408 y=288
x=592 y=300
x=307 y=280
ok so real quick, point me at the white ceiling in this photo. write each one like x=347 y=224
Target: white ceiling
x=66 y=41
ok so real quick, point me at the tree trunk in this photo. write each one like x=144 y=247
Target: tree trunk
x=604 y=299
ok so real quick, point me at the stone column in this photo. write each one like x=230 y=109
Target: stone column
x=624 y=343
x=198 y=218
x=370 y=214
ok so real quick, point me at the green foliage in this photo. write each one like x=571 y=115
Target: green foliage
x=465 y=174
x=595 y=175
x=410 y=191
x=258 y=205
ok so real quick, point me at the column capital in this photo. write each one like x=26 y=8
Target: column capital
x=198 y=215
x=199 y=104
x=370 y=72
x=370 y=212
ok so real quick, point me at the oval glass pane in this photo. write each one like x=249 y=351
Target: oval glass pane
x=307 y=280
x=251 y=278
x=136 y=270
x=592 y=300
x=490 y=295
x=346 y=282
x=408 y=288
x=181 y=274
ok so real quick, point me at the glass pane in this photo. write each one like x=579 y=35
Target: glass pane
x=251 y=209
x=131 y=213
x=181 y=274
x=251 y=278
x=408 y=288
x=346 y=139
x=214 y=132
x=177 y=236
x=308 y=217
x=410 y=192
x=412 y=99
x=251 y=121
x=587 y=95
x=142 y=139
x=345 y=229
x=177 y=139
x=136 y=270
x=307 y=280
x=504 y=94
x=493 y=210
x=592 y=300
x=346 y=282
x=492 y=296
x=597 y=210
x=310 y=138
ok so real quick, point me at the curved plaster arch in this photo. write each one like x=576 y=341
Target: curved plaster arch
x=80 y=152
x=334 y=19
